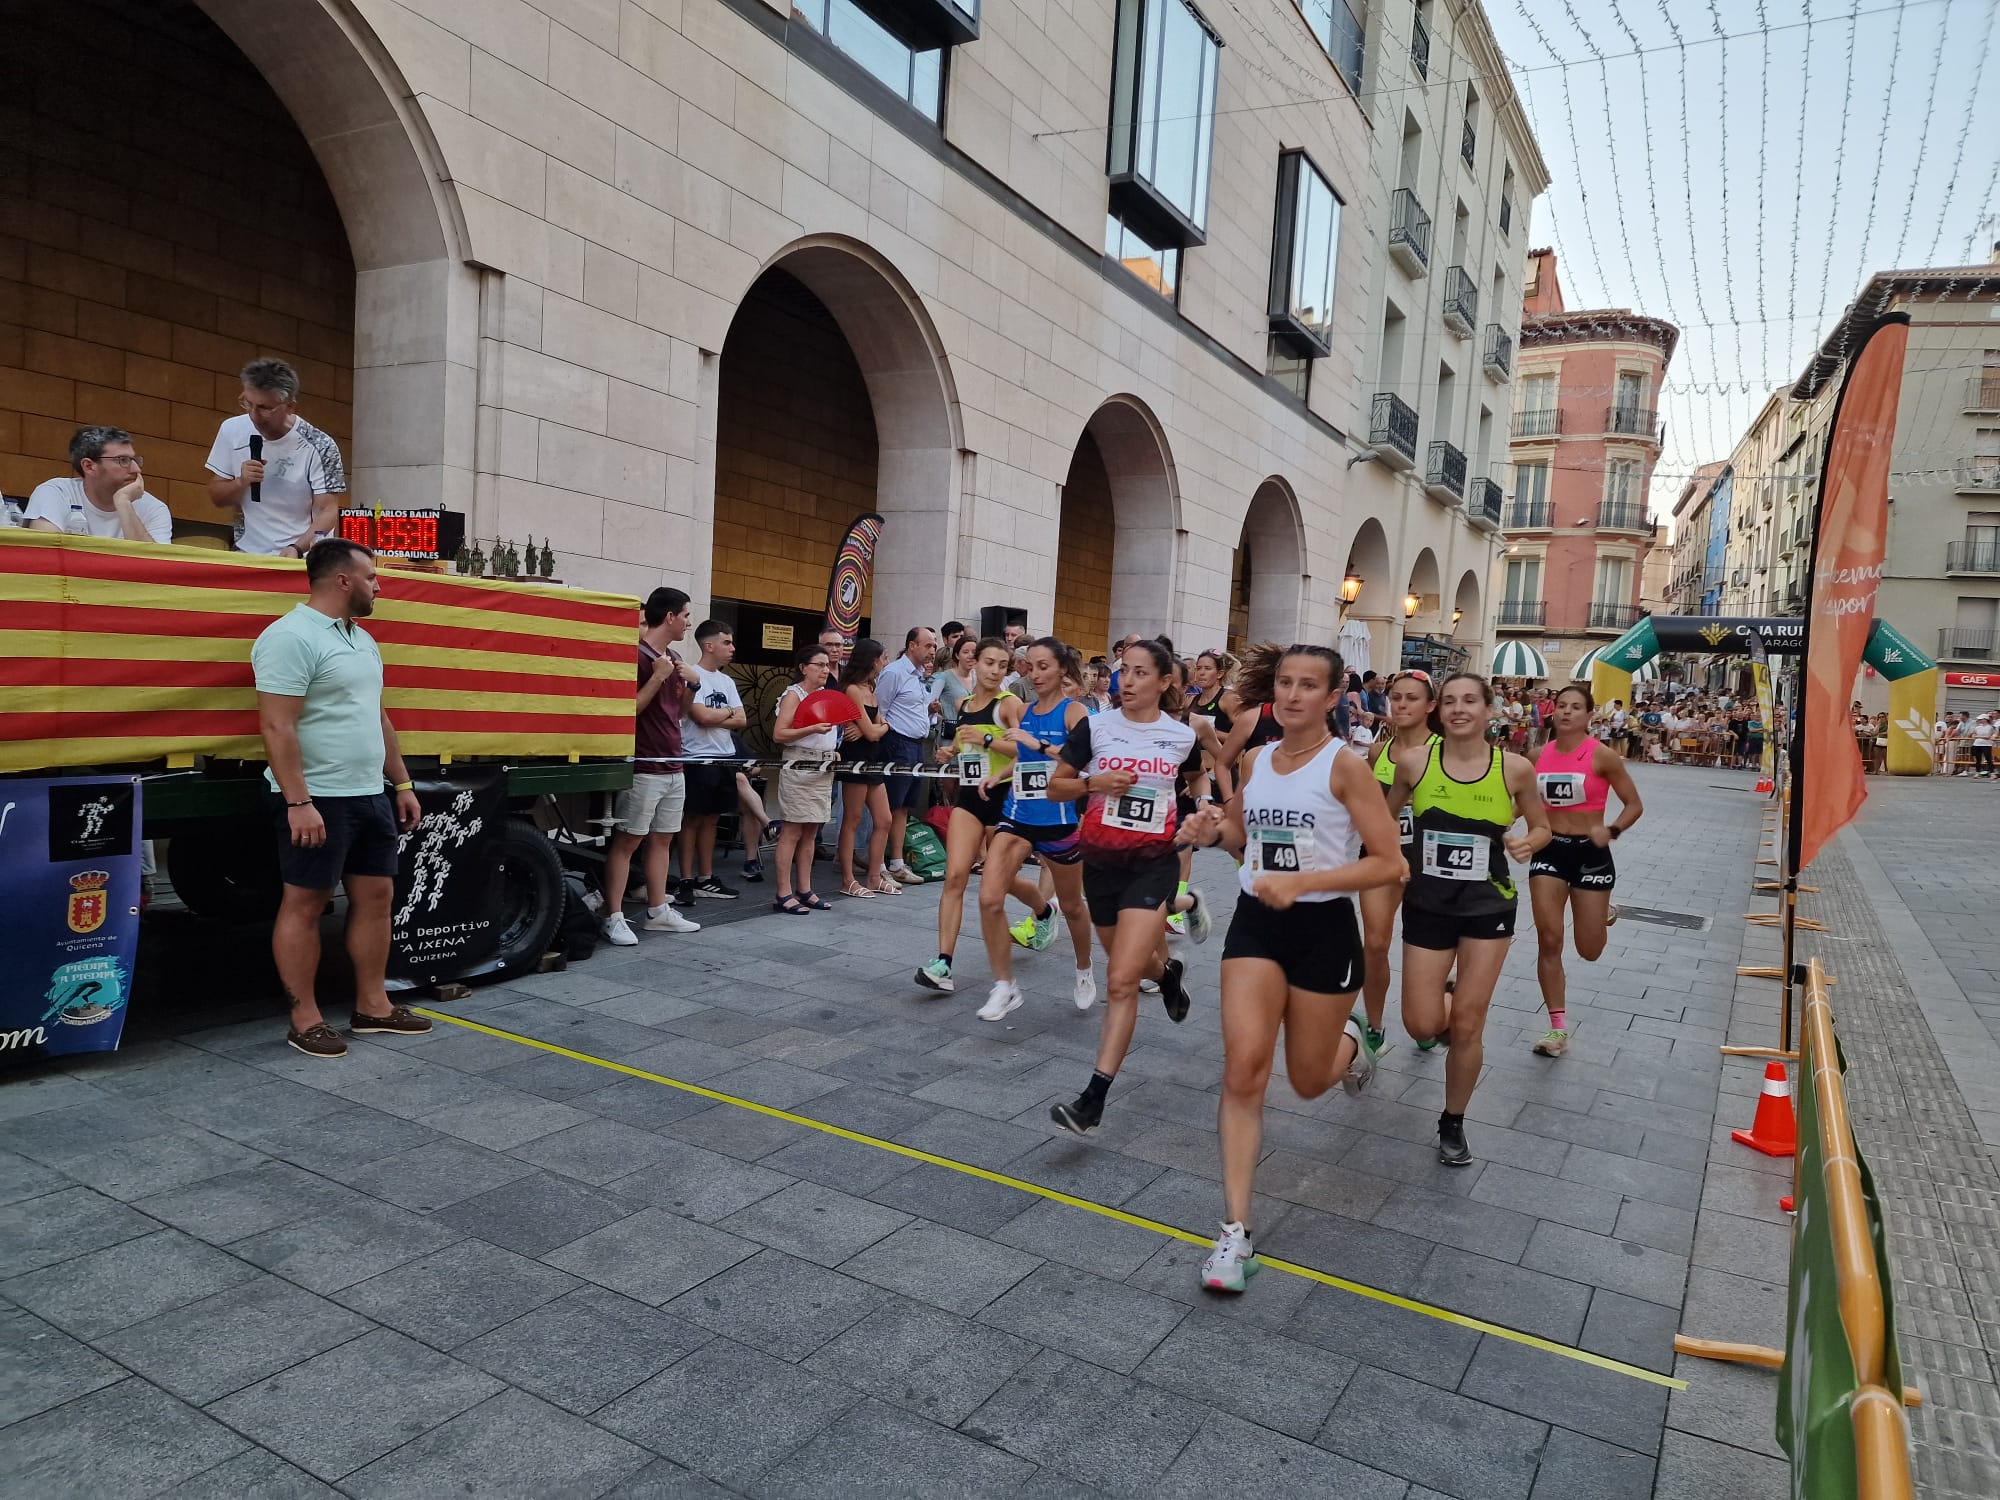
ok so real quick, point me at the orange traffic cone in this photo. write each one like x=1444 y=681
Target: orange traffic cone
x=1775 y=1131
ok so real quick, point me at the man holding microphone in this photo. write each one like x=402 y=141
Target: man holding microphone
x=280 y=474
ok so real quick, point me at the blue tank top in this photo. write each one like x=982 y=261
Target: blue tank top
x=1033 y=768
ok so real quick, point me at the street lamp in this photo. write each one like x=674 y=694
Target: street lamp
x=1350 y=590
x=1456 y=616
x=1411 y=604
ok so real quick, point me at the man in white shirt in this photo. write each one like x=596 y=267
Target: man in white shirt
x=713 y=710
x=903 y=698
x=107 y=497
x=279 y=473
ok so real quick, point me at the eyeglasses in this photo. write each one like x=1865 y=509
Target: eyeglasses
x=120 y=458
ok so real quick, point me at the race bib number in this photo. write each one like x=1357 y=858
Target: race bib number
x=1406 y=825
x=1561 y=788
x=971 y=767
x=1031 y=781
x=1456 y=856
x=1137 y=809
x=1280 y=851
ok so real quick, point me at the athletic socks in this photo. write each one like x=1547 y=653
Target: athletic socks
x=1559 y=1020
x=1099 y=1085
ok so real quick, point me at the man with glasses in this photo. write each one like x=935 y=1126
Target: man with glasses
x=279 y=473
x=106 y=498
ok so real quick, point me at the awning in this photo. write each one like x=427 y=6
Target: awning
x=1646 y=671
x=1353 y=643
x=1518 y=659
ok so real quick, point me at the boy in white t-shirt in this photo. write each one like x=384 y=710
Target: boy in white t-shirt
x=106 y=497
x=713 y=712
x=287 y=494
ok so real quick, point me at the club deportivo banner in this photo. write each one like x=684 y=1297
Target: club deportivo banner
x=69 y=884
x=1849 y=535
x=447 y=912
x=851 y=568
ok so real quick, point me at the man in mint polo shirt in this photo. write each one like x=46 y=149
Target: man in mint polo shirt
x=331 y=749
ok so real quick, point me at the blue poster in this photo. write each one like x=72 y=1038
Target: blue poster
x=69 y=885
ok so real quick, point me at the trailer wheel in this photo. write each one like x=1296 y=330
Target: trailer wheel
x=525 y=883
x=224 y=871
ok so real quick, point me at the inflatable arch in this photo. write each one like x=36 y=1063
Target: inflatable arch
x=1911 y=675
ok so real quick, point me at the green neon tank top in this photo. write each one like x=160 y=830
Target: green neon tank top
x=1457 y=862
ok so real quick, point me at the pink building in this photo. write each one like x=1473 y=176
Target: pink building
x=1586 y=436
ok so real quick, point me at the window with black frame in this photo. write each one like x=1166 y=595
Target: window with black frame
x=1162 y=133
x=1304 y=248
x=904 y=56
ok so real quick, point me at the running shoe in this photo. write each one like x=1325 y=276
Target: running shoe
x=902 y=874
x=1196 y=921
x=753 y=872
x=1084 y=991
x=618 y=932
x=1023 y=932
x=1232 y=1262
x=1452 y=1150
x=666 y=919
x=716 y=889
x=1377 y=1040
x=682 y=893
x=1554 y=1043
x=1079 y=1118
x=1001 y=1001
x=936 y=975
x=1177 y=925
x=1149 y=986
x=1361 y=1072
x=1044 y=930
x=1173 y=994
x=1430 y=1044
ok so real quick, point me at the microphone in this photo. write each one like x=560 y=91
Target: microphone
x=257 y=452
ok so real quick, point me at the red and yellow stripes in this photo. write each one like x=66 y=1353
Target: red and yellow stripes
x=113 y=652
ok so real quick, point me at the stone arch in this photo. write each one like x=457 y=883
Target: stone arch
x=912 y=408
x=1368 y=560
x=1424 y=583
x=1269 y=580
x=1467 y=604
x=416 y=299
x=1118 y=536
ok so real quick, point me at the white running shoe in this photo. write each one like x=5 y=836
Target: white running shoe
x=1232 y=1262
x=618 y=932
x=666 y=919
x=1149 y=986
x=1085 y=991
x=1361 y=1072
x=1199 y=922
x=1003 y=999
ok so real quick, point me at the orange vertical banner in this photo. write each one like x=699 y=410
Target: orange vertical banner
x=1848 y=542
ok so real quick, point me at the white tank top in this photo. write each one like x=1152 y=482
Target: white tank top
x=1293 y=823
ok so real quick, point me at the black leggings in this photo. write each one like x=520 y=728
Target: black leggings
x=1982 y=757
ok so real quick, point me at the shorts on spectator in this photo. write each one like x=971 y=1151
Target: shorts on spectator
x=652 y=804
x=360 y=840
x=711 y=791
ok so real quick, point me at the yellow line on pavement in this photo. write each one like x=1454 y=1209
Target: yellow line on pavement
x=1359 y=1289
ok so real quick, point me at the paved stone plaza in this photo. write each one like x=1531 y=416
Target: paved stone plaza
x=460 y=1264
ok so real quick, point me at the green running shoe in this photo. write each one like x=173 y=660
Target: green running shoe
x=1023 y=932
x=1044 y=929
x=936 y=975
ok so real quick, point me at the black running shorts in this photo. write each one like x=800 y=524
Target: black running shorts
x=1443 y=930
x=1316 y=943
x=1145 y=886
x=1575 y=860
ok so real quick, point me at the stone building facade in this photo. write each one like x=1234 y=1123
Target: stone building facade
x=684 y=285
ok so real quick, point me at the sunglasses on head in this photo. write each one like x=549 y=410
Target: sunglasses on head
x=1416 y=672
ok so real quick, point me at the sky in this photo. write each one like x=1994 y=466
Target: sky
x=1746 y=188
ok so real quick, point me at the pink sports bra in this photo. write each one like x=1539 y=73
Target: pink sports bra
x=1569 y=782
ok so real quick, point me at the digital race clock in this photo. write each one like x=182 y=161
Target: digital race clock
x=426 y=534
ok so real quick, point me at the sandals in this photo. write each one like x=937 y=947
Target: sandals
x=815 y=901
x=888 y=887
x=791 y=906
x=858 y=891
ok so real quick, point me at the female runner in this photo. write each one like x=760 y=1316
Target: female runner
x=1032 y=822
x=1125 y=762
x=1293 y=959
x=1464 y=796
x=1573 y=774
x=982 y=755
x=1412 y=725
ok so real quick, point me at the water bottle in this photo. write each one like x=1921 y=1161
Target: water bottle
x=10 y=513
x=76 y=523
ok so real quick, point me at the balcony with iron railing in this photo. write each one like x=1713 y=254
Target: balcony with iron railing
x=1522 y=614
x=1972 y=557
x=1633 y=421
x=1485 y=503
x=1965 y=645
x=1627 y=516
x=1979 y=476
x=1982 y=392
x=1420 y=46
x=1409 y=232
x=1538 y=421
x=1444 y=475
x=1461 y=301
x=1530 y=515
x=1613 y=616
x=1468 y=143
x=1499 y=360
x=1392 y=430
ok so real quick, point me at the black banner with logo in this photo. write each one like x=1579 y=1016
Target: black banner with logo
x=445 y=919
x=1728 y=635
